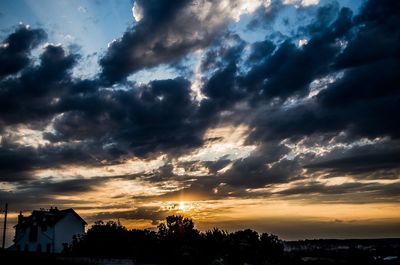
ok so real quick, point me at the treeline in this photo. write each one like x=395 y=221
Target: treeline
x=178 y=242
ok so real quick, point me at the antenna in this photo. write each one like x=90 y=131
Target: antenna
x=5 y=225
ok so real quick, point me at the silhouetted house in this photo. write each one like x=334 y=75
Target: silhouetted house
x=47 y=230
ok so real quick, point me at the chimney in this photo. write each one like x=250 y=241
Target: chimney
x=20 y=218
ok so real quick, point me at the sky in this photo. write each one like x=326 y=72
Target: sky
x=275 y=115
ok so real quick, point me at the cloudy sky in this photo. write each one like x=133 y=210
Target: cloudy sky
x=277 y=115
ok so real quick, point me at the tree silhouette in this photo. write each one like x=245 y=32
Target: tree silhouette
x=177 y=241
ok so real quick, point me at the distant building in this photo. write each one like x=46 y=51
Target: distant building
x=47 y=230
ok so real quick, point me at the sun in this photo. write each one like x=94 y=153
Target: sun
x=179 y=206
x=183 y=206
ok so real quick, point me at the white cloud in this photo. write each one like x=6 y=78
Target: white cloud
x=137 y=12
x=299 y=3
x=303 y=42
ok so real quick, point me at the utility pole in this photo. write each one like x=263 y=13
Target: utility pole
x=5 y=226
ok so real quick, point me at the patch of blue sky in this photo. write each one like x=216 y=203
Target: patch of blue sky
x=160 y=72
x=88 y=24
x=283 y=25
x=185 y=68
x=245 y=33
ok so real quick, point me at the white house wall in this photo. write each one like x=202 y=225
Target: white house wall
x=65 y=228
x=43 y=238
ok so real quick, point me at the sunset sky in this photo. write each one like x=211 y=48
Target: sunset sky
x=276 y=115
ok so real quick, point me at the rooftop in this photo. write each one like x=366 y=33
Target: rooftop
x=45 y=217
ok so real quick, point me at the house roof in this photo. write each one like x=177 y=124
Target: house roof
x=70 y=210
x=46 y=217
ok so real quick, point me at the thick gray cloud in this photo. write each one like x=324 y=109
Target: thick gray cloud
x=362 y=102
x=156 y=117
x=344 y=193
x=15 y=49
x=45 y=192
x=30 y=97
x=360 y=159
x=18 y=162
x=166 y=32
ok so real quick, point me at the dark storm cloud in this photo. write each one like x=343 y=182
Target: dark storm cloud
x=344 y=193
x=45 y=192
x=265 y=165
x=166 y=33
x=363 y=102
x=225 y=50
x=145 y=119
x=221 y=88
x=31 y=95
x=15 y=49
x=18 y=162
x=360 y=159
x=323 y=15
x=26 y=201
x=163 y=118
x=50 y=186
x=259 y=169
x=261 y=51
x=290 y=69
x=108 y=124
x=377 y=21
x=295 y=123
x=254 y=173
x=369 y=89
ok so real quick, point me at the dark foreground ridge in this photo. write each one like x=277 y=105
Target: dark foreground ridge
x=178 y=242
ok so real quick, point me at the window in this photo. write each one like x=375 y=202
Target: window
x=39 y=248
x=48 y=248
x=33 y=233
